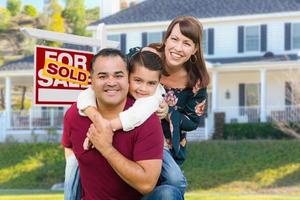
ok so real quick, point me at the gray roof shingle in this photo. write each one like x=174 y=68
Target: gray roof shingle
x=25 y=63
x=165 y=10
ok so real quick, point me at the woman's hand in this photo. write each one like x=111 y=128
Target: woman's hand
x=163 y=109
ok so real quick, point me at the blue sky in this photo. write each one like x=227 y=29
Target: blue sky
x=39 y=3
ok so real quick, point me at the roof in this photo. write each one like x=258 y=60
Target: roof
x=166 y=10
x=25 y=63
x=268 y=57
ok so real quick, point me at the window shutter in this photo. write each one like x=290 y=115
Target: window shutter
x=242 y=98
x=144 y=39
x=123 y=43
x=241 y=94
x=240 y=39
x=211 y=41
x=163 y=35
x=263 y=37
x=288 y=94
x=287 y=36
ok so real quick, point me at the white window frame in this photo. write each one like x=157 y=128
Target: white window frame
x=258 y=39
x=292 y=36
x=115 y=37
x=205 y=41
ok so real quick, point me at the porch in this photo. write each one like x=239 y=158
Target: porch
x=23 y=124
x=252 y=114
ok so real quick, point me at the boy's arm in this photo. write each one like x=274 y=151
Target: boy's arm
x=85 y=100
x=140 y=111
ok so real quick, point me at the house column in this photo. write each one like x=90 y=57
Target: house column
x=8 y=101
x=263 y=95
x=214 y=94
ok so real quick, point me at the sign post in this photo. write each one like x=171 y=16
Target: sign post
x=60 y=74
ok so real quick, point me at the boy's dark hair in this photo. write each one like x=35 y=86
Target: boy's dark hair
x=146 y=59
x=106 y=52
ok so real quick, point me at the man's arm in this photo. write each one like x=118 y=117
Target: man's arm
x=141 y=175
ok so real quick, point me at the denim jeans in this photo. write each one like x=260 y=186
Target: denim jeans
x=164 y=192
x=171 y=173
x=72 y=187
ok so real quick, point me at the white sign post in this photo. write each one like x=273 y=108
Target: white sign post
x=60 y=74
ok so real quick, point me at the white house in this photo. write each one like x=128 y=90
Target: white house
x=251 y=47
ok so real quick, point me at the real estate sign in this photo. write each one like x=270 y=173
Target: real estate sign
x=60 y=74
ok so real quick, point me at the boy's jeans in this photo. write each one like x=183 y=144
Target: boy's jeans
x=72 y=187
x=171 y=173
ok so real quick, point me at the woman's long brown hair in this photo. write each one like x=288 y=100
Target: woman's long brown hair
x=191 y=28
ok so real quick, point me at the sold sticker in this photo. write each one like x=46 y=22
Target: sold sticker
x=64 y=72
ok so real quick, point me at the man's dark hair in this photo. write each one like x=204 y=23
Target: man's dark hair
x=107 y=52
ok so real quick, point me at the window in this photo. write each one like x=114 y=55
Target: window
x=115 y=37
x=252 y=38
x=204 y=41
x=154 y=37
x=252 y=94
x=296 y=36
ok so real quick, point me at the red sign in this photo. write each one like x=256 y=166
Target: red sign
x=60 y=74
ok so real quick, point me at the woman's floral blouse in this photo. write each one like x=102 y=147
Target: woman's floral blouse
x=186 y=107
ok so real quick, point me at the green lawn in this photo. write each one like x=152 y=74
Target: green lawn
x=48 y=195
x=214 y=169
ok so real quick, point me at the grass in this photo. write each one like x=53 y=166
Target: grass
x=244 y=166
x=229 y=170
x=48 y=195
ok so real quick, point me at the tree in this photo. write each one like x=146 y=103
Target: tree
x=56 y=21
x=5 y=19
x=288 y=119
x=30 y=10
x=74 y=14
x=14 y=6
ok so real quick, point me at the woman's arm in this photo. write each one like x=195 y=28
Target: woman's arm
x=193 y=111
x=187 y=118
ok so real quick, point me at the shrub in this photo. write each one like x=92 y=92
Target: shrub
x=239 y=131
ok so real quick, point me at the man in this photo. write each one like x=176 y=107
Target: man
x=122 y=165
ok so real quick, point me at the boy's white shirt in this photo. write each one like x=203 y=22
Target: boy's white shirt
x=133 y=117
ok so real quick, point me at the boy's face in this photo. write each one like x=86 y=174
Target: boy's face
x=143 y=82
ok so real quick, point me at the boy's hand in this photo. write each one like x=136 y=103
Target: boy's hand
x=87 y=144
x=162 y=110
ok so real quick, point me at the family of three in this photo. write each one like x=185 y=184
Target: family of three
x=126 y=136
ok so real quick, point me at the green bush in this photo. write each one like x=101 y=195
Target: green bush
x=239 y=131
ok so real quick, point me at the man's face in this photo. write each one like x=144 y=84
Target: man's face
x=110 y=80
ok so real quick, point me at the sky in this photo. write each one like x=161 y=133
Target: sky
x=39 y=3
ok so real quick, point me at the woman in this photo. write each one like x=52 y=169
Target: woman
x=185 y=79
